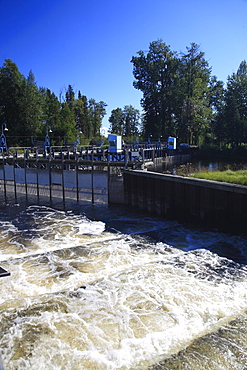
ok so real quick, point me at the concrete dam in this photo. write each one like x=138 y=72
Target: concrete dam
x=128 y=180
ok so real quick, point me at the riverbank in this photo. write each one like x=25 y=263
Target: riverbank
x=229 y=176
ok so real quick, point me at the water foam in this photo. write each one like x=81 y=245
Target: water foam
x=87 y=298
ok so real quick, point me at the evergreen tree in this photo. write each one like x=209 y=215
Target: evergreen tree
x=196 y=116
x=131 y=121
x=67 y=124
x=12 y=88
x=116 y=121
x=125 y=121
x=70 y=97
x=31 y=110
x=81 y=116
x=96 y=113
x=235 y=110
x=51 y=118
x=217 y=103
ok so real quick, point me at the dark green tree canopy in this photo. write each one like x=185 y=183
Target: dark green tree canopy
x=28 y=110
x=117 y=121
x=176 y=91
x=125 y=121
x=235 y=109
x=180 y=98
x=156 y=76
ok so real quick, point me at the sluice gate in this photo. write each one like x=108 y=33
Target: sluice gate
x=97 y=178
x=54 y=178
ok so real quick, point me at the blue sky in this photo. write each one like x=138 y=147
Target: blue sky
x=89 y=44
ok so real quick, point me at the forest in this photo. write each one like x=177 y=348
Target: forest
x=180 y=98
x=29 y=111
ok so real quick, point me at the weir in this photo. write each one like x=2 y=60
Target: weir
x=94 y=176
x=127 y=178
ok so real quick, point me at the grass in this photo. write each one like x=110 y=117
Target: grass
x=233 y=177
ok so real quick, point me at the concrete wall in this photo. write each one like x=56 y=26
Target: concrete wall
x=200 y=202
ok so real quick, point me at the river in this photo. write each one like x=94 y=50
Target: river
x=106 y=287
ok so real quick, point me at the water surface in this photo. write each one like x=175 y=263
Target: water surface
x=105 y=287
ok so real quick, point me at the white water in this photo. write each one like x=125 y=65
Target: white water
x=83 y=295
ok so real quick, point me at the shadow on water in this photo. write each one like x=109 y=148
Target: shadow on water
x=229 y=341
x=229 y=251
x=130 y=221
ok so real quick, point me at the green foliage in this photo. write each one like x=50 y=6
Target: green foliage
x=156 y=75
x=182 y=99
x=235 y=112
x=51 y=117
x=116 y=121
x=234 y=177
x=31 y=109
x=96 y=112
x=83 y=123
x=28 y=111
x=196 y=115
x=12 y=98
x=176 y=92
x=125 y=121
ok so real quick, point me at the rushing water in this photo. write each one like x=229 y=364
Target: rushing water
x=99 y=287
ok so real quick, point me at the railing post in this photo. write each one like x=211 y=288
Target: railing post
x=92 y=177
x=77 y=177
x=63 y=190
x=108 y=177
x=25 y=170
x=143 y=158
x=126 y=158
x=4 y=177
x=37 y=172
x=15 y=162
x=50 y=182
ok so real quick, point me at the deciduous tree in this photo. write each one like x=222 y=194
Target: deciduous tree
x=235 y=111
x=157 y=76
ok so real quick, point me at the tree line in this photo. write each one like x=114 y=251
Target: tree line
x=182 y=98
x=29 y=111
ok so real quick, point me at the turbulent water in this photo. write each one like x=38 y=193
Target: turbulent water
x=99 y=287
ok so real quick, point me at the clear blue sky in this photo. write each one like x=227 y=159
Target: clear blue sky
x=89 y=44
